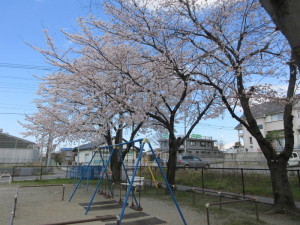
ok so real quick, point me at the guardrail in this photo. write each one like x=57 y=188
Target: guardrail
x=229 y=202
x=238 y=199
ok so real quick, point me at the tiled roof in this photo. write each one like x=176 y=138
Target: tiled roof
x=261 y=110
x=266 y=108
x=66 y=149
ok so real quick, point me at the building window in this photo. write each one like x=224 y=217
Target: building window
x=193 y=143
x=202 y=143
x=197 y=152
x=250 y=140
x=276 y=117
x=260 y=126
x=209 y=144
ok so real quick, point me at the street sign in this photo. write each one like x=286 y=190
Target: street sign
x=165 y=136
x=196 y=136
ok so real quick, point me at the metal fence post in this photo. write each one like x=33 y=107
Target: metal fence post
x=243 y=182
x=63 y=193
x=220 y=199
x=298 y=173
x=207 y=213
x=193 y=195
x=41 y=172
x=202 y=179
x=13 y=172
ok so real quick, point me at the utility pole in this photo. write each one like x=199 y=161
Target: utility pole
x=49 y=148
x=78 y=154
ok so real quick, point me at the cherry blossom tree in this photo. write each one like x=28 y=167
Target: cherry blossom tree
x=285 y=14
x=138 y=82
x=245 y=49
x=158 y=64
x=231 y=46
x=83 y=103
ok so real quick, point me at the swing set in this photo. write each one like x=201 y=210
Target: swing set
x=132 y=181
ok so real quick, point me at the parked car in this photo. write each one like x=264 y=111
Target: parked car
x=294 y=160
x=161 y=162
x=187 y=161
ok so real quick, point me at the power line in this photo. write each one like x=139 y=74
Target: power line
x=1 y=103
x=206 y=125
x=26 y=66
x=1 y=107
x=5 y=84
x=17 y=90
x=22 y=114
x=19 y=78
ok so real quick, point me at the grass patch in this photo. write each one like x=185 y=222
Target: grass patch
x=230 y=214
x=255 y=183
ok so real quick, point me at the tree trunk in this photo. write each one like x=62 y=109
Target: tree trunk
x=283 y=197
x=115 y=162
x=171 y=166
x=115 y=166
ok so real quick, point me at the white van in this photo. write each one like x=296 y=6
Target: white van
x=294 y=160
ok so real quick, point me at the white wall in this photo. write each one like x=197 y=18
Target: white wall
x=10 y=155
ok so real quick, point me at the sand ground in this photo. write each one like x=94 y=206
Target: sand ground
x=44 y=206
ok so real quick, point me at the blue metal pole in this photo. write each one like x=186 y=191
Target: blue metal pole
x=168 y=185
x=99 y=182
x=111 y=146
x=131 y=182
x=79 y=182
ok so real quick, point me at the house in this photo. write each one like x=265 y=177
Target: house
x=68 y=155
x=15 y=150
x=269 y=117
x=86 y=152
x=196 y=145
x=64 y=157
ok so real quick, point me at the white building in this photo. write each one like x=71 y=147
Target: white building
x=85 y=153
x=269 y=117
x=14 y=150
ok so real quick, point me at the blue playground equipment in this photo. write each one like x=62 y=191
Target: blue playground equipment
x=130 y=181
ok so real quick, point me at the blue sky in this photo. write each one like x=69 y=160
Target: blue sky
x=23 y=21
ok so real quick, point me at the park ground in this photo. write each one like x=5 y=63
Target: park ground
x=44 y=205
